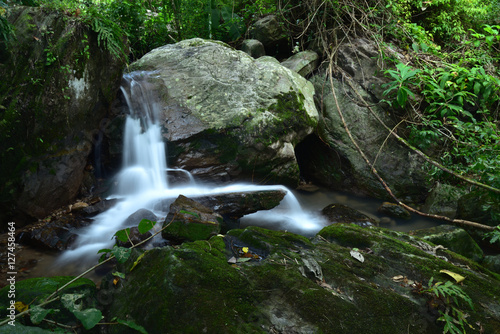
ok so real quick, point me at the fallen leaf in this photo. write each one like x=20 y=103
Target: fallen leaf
x=243 y=259
x=357 y=255
x=244 y=249
x=456 y=277
x=20 y=306
x=232 y=260
x=116 y=280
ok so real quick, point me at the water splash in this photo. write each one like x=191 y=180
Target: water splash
x=142 y=182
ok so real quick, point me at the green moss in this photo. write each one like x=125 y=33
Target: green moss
x=269 y=240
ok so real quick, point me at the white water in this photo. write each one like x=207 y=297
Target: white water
x=142 y=183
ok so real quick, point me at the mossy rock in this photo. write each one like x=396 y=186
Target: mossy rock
x=454 y=238
x=190 y=220
x=192 y=288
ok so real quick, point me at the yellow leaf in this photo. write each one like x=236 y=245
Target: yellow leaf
x=21 y=307
x=456 y=277
x=245 y=249
x=138 y=260
x=116 y=280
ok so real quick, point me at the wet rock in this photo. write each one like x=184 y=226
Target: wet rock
x=272 y=294
x=56 y=234
x=340 y=213
x=304 y=62
x=453 y=238
x=230 y=117
x=253 y=48
x=99 y=207
x=135 y=218
x=189 y=220
x=233 y=206
x=394 y=210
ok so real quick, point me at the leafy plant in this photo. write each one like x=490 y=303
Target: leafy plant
x=494 y=235
x=75 y=303
x=446 y=299
x=402 y=78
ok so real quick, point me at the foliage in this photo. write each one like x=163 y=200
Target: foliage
x=446 y=299
x=459 y=118
x=401 y=77
x=494 y=235
x=78 y=304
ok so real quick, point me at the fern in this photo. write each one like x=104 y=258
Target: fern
x=109 y=34
x=6 y=29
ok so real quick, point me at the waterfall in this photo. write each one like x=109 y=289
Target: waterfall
x=142 y=181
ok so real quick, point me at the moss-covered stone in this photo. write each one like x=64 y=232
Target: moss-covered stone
x=194 y=289
x=190 y=220
x=453 y=238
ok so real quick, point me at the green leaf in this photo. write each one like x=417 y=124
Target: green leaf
x=121 y=253
x=37 y=314
x=145 y=225
x=133 y=325
x=118 y=274
x=122 y=235
x=136 y=262
x=402 y=97
x=69 y=301
x=89 y=317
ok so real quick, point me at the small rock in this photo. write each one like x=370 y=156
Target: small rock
x=253 y=47
x=340 y=213
x=394 y=210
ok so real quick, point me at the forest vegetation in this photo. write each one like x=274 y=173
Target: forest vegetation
x=446 y=92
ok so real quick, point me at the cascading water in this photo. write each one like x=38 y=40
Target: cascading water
x=142 y=182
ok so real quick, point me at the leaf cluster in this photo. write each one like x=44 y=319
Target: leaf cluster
x=447 y=297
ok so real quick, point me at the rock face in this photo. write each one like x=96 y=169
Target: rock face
x=56 y=94
x=334 y=160
x=255 y=280
x=229 y=116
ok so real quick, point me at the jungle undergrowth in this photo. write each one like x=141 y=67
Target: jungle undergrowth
x=88 y=317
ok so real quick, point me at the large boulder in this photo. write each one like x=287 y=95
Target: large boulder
x=229 y=116
x=334 y=161
x=348 y=280
x=55 y=93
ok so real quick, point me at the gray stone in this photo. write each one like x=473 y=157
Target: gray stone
x=253 y=48
x=304 y=63
x=334 y=161
x=270 y=33
x=394 y=210
x=229 y=116
x=443 y=200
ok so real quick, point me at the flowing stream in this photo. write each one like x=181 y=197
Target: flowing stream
x=142 y=182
